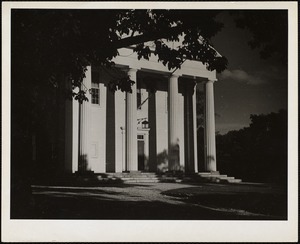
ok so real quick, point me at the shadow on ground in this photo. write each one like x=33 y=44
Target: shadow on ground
x=162 y=201
x=268 y=201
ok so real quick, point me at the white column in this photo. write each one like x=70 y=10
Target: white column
x=195 y=128
x=120 y=131
x=75 y=135
x=209 y=123
x=131 y=125
x=180 y=131
x=188 y=130
x=173 y=150
x=83 y=164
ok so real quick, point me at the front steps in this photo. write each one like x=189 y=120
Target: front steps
x=148 y=177
x=215 y=177
x=96 y=179
x=132 y=177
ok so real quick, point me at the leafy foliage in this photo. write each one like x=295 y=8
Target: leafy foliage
x=49 y=43
x=51 y=49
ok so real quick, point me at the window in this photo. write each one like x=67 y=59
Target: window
x=138 y=98
x=95 y=93
x=140 y=137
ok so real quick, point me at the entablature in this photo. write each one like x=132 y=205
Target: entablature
x=128 y=58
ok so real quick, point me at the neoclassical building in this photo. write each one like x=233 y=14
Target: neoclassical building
x=152 y=129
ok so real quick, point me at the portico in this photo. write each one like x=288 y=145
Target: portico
x=110 y=134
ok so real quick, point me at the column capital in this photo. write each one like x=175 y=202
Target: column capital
x=170 y=75
x=173 y=75
x=132 y=69
x=129 y=69
x=151 y=90
x=211 y=81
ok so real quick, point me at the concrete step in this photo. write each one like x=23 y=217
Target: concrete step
x=141 y=175
x=222 y=176
x=207 y=176
x=142 y=181
x=234 y=180
x=204 y=174
x=226 y=177
x=128 y=179
x=210 y=177
x=127 y=176
x=209 y=173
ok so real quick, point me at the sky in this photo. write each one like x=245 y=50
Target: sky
x=250 y=85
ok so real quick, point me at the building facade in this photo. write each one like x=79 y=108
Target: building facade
x=151 y=129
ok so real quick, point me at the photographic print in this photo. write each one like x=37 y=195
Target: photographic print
x=143 y=116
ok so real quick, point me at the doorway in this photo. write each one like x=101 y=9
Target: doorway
x=143 y=149
x=141 y=155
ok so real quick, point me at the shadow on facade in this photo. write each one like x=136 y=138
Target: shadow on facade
x=200 y=149
x=162 y=161
x=209 y=159
x=174 y=158
x=83 y=163
x=110 y=132
x=153 y=160
x=189 y=129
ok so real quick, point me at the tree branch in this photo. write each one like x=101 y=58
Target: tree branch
x=151 y=36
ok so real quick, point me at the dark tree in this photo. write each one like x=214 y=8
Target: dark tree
x=47 y=44
x=258 y=152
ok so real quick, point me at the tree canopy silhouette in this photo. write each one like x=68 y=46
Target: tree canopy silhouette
x=258 y=152
x=49 y=44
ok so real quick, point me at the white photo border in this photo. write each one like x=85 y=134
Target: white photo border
x=144 y=230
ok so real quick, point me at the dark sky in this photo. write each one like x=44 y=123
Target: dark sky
x=250 y=85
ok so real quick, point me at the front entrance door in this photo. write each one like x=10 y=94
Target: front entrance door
x=141 y=155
